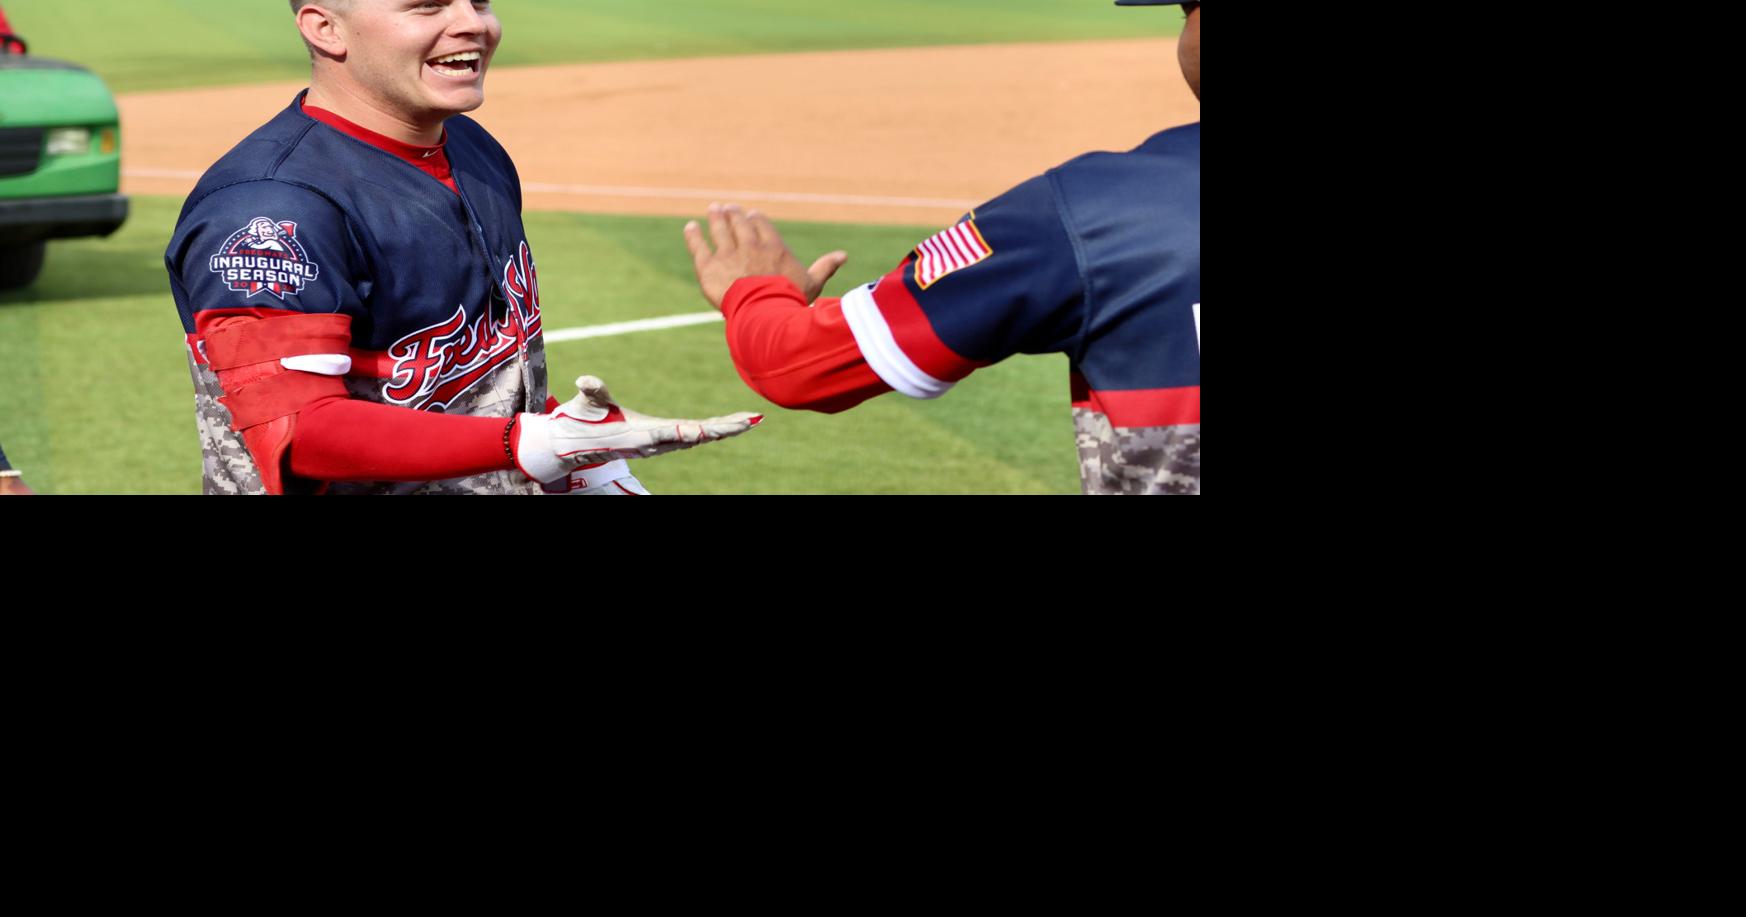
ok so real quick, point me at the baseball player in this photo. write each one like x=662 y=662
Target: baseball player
x=361 y=305
x=1098 y=259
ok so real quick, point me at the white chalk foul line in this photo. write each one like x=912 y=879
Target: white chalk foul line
x=779 y=197
x=647 y=324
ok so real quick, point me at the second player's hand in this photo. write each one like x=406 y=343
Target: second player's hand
x=748 y=245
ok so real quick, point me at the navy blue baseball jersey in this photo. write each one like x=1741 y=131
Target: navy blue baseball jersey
x=439 y=283
x=1098 y=259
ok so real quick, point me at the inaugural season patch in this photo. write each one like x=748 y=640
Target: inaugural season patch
x=265 y=257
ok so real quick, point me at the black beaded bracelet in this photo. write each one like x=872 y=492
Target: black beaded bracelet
x=507 y=429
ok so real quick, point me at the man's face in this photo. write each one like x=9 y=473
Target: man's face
x=393 y=48
x=1188 y=48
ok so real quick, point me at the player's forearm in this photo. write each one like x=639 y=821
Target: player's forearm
x=343 y=439
x=798 y=357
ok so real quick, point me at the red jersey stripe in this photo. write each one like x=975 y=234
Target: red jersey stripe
x=1146 y=407
x=913 y=332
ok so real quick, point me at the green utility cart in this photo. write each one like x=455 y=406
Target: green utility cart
x=60 y=160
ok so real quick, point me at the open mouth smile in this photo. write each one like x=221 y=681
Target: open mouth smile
x=464 y=65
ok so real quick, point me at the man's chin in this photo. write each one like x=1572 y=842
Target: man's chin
x=458 y=103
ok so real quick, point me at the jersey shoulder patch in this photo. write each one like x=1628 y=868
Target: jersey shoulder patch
x=264 y=257
x=950 y=250
x=264 y=244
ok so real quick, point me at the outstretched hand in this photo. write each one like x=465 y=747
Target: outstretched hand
x=592 y=428
x=748 y=245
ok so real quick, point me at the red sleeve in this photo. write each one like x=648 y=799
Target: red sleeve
x=344 y=439
x=796 y=356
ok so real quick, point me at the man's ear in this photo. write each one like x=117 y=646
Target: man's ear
x=321 y=30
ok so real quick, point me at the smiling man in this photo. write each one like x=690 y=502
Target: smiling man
x=361 y=304
x=399 y=68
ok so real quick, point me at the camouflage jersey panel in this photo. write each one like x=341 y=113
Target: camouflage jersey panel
x=1136 y=460
x=515 y=386
x=225 y=465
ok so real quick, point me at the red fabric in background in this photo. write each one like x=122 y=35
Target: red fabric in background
x=6 y=28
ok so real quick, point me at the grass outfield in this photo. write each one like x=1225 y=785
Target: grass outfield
x=95 y=395
x=166 y=44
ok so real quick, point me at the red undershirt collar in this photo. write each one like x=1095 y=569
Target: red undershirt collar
x=431 y=160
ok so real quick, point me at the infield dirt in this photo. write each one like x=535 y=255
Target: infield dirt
x=906 y=136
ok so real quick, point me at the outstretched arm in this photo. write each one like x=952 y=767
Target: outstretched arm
x=1002 y=280
x=796 y=352
x=283 y=391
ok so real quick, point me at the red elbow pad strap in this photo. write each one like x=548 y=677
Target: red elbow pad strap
x=248 y=343
x=262 y=396
x=277 y=396
x=268 y=444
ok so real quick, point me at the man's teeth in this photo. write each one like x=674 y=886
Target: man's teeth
x=462 y=57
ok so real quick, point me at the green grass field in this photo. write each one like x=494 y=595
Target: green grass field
x=94 y=390
x=167 y=44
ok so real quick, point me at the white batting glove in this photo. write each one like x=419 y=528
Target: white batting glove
x=590 y=428
x=627 y=486
x=613 y=479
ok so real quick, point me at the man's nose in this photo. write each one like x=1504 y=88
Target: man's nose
x=465 y=19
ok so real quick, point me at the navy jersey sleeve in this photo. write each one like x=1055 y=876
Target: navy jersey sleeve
x=264 y=246
x=1005 y=280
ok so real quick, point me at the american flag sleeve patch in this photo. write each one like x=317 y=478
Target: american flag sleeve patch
x=952 y=250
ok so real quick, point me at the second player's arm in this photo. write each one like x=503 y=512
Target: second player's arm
x=916 y=330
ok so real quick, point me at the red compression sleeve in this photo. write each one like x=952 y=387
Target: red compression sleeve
x=798 y=357
x=343 y=439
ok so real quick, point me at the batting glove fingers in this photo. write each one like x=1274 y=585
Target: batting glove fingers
x=591 y=428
